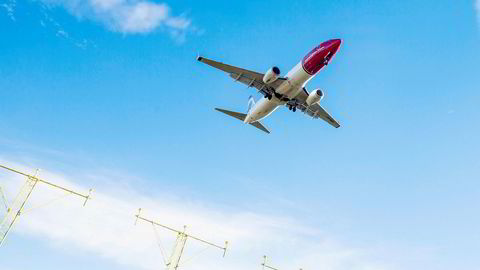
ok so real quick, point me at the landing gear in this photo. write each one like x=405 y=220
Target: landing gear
x=292 y=105
x=281 y=97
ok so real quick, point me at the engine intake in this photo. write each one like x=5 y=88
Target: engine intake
x=314 y=97
x=271 y=75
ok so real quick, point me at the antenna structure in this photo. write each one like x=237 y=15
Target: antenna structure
x=15 y=209
x=265 y=265
x=179 y=247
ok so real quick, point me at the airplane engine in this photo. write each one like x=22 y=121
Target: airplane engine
x=314 y=97
x=271 y=75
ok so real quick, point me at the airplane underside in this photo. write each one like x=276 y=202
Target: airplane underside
x=285 y=90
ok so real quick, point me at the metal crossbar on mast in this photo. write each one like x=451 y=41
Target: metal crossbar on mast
x=14 y=210
x=265 y=265
x=174 y=258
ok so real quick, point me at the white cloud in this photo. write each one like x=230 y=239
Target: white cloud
x=477 y=8
x=105 y=228
x=127 y=16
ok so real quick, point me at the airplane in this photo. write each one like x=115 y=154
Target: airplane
x=289 y=91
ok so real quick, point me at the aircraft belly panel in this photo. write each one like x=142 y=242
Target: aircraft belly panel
x=263 y=108
x=296 y=78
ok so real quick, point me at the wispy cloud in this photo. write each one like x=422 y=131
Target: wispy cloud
x=9 y=7
x=105 y=228
x=477 y=8
x=127 y=16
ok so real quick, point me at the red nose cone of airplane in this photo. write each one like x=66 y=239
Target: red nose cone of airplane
x=335 y=44
x=320 y=56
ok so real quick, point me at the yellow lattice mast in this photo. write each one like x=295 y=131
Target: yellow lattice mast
x=15 y=209
x=173 y=261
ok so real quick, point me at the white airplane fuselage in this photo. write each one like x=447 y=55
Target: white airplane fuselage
x=296 y=79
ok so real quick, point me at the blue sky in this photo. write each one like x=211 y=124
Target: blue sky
x=108 y=94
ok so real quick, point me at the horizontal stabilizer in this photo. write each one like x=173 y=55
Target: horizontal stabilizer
x=241 y=117
x=260 y=126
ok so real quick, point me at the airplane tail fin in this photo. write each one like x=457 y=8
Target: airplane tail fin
x=241 y=117
x=251 y=103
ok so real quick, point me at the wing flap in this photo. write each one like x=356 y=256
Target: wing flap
x=315 y=110
x=231 y=69
x=318 y=111
x=245 y=76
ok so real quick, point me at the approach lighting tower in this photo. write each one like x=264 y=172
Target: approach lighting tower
x=265 y=265
x=174 y=259
x=14 y=210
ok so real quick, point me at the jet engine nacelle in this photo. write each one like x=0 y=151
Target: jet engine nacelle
x=314 y=97
x=271 y=75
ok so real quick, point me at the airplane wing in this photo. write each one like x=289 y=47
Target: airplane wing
x=315 y=110
x=247 y=77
